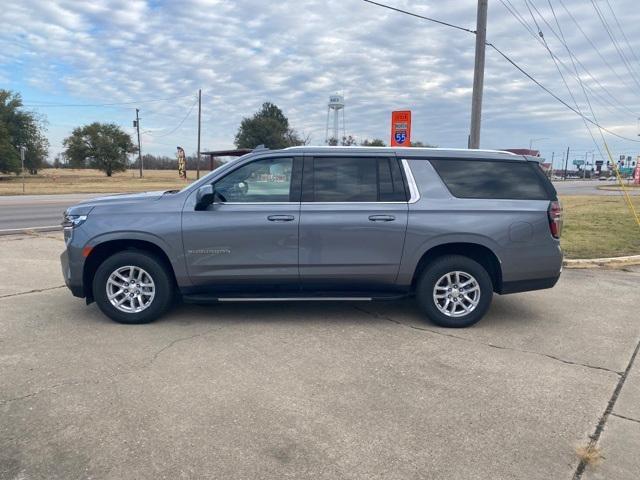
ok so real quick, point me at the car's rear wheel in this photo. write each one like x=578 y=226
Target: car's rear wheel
x=454 y=291
x=133 y=287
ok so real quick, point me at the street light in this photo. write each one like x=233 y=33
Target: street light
x=535 y=140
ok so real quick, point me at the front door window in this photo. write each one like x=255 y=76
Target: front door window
x=263 y=181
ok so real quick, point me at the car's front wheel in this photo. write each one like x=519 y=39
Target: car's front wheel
x=454 y=291
x=133 y=287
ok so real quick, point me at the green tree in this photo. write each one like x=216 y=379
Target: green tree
x=99 y=145
x=20 y=128
x=376 y=142
x=418 y=143
x=345 y=142
x=268 y=127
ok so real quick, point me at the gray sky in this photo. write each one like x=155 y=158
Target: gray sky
x=296 y=53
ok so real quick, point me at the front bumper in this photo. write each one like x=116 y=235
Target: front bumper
x=72 y=273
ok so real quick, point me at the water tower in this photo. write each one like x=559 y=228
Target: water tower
x=336 y=104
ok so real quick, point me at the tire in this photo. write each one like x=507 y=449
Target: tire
x=156 y=287
x=477 y=302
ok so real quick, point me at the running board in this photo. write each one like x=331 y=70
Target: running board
x=208 y=298
x=294 y=299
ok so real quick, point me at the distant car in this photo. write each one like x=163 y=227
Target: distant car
x=450 y=227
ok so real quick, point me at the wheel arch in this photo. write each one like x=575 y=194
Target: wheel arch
x=103 y=250
x=476 y=251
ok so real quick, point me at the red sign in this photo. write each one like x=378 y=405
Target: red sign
x=401 y=128
x=636 y=174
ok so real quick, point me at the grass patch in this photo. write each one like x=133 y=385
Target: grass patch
x=590 y=455
x=599 y=226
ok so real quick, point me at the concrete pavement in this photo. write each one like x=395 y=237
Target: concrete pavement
x=321 y=390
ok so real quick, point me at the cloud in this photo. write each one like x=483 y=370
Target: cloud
x=296 y=53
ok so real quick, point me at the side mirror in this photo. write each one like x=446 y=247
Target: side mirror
x=204 y=197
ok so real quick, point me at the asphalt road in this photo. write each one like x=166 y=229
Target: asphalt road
x=39 y=212
x=587 y=187
x=44 y=212
x=319 y=390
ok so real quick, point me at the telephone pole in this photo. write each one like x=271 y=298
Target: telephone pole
x=137 y=124
x=566 y=164
x=22 y=150
x=199 y=113
x=478 y=74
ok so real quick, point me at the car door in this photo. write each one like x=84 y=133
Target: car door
x=353 y=220
x=248 y=238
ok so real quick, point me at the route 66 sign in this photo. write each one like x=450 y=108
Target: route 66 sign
x=401 y=128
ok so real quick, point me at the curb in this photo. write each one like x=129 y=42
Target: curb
x=602 y=262
x=26 y=231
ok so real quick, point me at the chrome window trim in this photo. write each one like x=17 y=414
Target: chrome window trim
x=257 y=203
x=414 y=194
x=413 y=186
x=353 y=203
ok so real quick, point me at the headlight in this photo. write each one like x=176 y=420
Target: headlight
x=72 y=221
x=69 y=223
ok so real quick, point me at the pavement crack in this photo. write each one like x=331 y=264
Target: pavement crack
x=45 y=389
x=491 y=345
x=625 y=418
x=593 y=439
x=178 y=340
x=38 y=290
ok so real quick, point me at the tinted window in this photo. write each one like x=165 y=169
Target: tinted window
x=267 y=180
x=356 y=179
x=492 y=179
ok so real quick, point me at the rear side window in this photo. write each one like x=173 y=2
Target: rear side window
x=493 y=179
x=354 y=179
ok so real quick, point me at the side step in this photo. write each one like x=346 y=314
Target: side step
x=306 y=297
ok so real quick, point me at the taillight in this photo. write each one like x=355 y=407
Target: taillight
x=555 y=218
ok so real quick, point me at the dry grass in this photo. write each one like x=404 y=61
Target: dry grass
x=54 y=180
x=590 y=455
x=599 y=226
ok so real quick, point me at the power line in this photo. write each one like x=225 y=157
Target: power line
x=621 y=30
x=571 y=57
x=513 y=63
x=526 y=74
x=620 y=106
x=615 y=43
x=440 y=22
x=179 y=124
x=623 y=79
x=138 y=102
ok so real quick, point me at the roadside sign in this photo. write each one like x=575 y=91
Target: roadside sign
x=401 y=128
x=182 y=163
x=577 y=163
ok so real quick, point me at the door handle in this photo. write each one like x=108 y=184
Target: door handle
x=381 y=218
x=281 y=218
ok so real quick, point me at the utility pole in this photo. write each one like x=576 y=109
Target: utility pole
x=566 y=163
x=199 y=113
x=478 y=74
x=22 y=150
x=553 y=154
x=137 y=124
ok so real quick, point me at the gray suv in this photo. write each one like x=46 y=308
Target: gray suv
x=449 y=227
